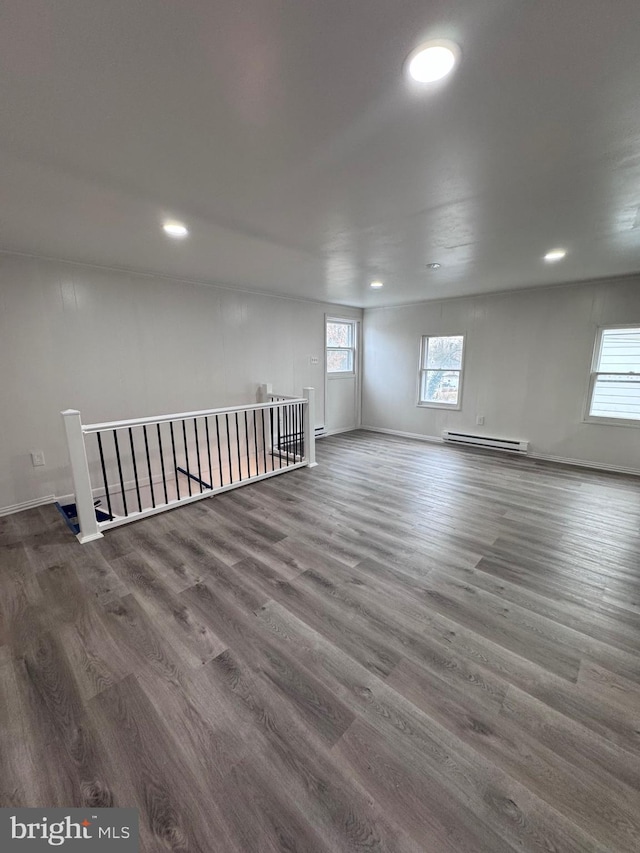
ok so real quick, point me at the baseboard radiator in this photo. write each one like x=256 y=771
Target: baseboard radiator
x=487 y=442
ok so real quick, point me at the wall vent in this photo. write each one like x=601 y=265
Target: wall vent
x=512 y=445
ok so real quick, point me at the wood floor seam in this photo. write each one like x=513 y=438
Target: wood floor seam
x=411 y=648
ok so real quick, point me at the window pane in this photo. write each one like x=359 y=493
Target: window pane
x=444 y=353
x=440 y=386
x=339 y=334
x=340 y=361
x=620 y=351
x=616 y=397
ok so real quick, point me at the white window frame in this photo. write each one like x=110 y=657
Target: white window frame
x=456 y=407
x=341 y=374
x=593 y=376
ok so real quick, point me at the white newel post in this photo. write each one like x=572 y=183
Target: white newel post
x=81 y=479
x=263 y=391
x=310 y=426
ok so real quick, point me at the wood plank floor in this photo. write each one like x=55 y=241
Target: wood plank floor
x=408 y=648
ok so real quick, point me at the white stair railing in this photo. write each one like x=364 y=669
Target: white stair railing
x=126 y=470
x=266 y=394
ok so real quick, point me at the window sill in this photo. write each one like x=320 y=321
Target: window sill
x=619 y=422
x=449 y=406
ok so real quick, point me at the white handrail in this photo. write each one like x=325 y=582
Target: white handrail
x=181 y=416
x=297 y=449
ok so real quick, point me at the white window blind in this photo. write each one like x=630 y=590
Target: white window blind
x=615 y=378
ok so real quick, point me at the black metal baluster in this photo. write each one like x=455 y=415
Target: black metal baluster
x=302 y=437
x=146 y=447
x=206 y=427
x=271 y=436
x=264 y=443
x=246 y=441
x=186 y=454
x=164 y=476
x=195 y=429
x=104 y=474
x=283 y=444
x=135 y=468
x=124 y=498
x=175 y=460
x=229 y=449
x=255 y=439
x=292 y=433
x=238 y=447
x=287 y=430
x=279 y=439
x=285 y=437
x=295 y=432
x=292 y=417
x=219 y=452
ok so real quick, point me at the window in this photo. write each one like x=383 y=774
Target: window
x=614 y=389
x=341 y=347
x=440 y=383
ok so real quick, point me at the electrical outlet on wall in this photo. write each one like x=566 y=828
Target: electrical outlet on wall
x=37 y=458
x=480 y=420
x=313 y=359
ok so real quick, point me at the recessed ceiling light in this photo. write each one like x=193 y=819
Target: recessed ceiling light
x=433 y=266
x=377 y=284
x=175 y=229
x=433 y=60
x=555 y=255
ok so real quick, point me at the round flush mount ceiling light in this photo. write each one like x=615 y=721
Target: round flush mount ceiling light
x=433 y=60
x=555 y=255
x=377 y=285
x=175 y=229
x=433 y=266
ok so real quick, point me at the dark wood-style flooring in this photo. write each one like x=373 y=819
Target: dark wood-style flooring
x=409 y=648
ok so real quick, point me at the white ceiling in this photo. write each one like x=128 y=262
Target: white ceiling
x=284 y=134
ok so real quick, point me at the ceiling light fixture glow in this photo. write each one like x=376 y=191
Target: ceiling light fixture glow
x=175 y=229
x=377 y=284
x=432 y=61
x=555 y=255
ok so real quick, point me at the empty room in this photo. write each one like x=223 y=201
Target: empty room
x=320 y=426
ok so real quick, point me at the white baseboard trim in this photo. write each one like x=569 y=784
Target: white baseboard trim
x=435 y=439
x=543 y=457
x=337 y=432
x=9 y=510
x=583 y=463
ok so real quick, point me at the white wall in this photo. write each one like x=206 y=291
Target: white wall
x=117 y=345
x=527 y=363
